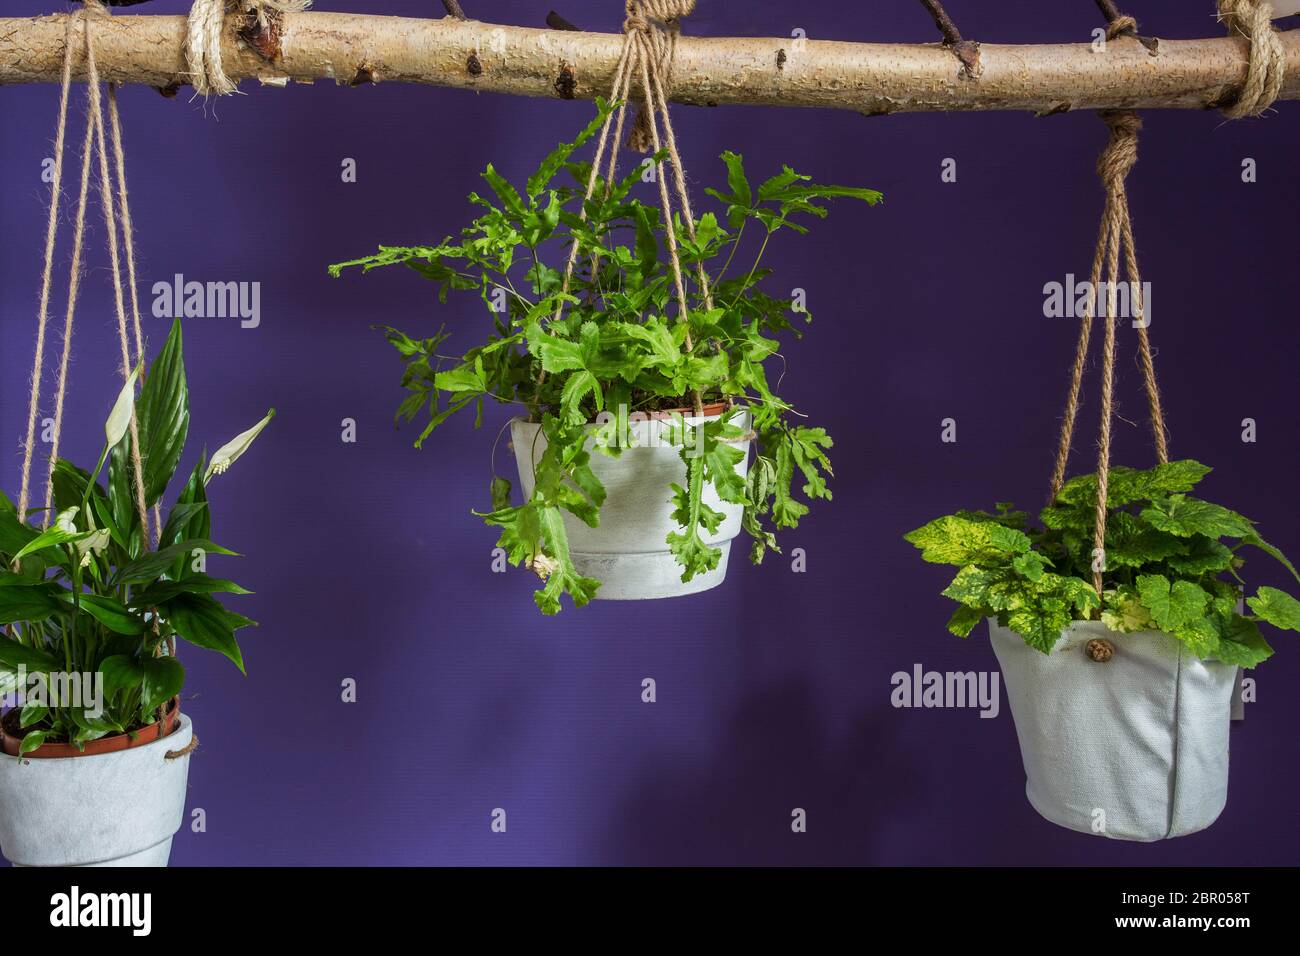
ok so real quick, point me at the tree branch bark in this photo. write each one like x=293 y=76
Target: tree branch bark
x=872 y=78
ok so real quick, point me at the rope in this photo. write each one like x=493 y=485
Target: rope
x=1253 y=19
x=74 y=288
x=203 y=38
x=128 y=235
x=657 y=23
x=110 y=226
x=93 y=144
x=189 y=748
x=649 y=37
x=1122 y=25
x=1115 y=247
x=47 y=269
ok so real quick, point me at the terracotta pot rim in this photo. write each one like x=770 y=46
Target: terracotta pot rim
x=711 y=409
x=148 y=734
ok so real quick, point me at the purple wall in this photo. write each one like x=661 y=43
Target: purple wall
x=773 y=690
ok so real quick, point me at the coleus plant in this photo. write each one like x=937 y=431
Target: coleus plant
x=1170 y=563
x=617 y=347
x=86 y=596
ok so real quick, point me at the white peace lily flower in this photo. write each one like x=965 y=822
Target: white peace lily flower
x=65 y=519
x=93 y=544
x=227 y=454
x=119 y=419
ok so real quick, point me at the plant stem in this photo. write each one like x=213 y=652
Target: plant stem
x=744 y=286
x=734 y=246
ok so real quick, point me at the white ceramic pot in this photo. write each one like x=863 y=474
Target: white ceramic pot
x=628 y=553
x=1135 y=748
x=112 y=809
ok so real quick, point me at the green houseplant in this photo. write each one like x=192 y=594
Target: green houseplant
x=1121 y=690
x=1171 y=563
x=92 y=614
x=580 y=362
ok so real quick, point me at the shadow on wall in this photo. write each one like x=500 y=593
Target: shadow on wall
x=775 y=757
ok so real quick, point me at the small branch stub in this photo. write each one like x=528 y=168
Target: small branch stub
x=967 y=51
x=263 y=38
x=557 y=22
x=1125 y=26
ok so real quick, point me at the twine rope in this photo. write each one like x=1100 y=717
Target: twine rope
x=657 y=24
x=47 y=271
x=189 y=748
x=110 y=226
x=203 y=32
x=1266 y=71
x=128 y=237
x=74 y=288
x=94 y=143
x=649 y=38
x=1115 y=248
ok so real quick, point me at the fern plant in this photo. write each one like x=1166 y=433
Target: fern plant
x=617 y=347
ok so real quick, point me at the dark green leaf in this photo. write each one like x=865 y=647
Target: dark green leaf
x=202 y=621
x=163 y=411
x=163 y=679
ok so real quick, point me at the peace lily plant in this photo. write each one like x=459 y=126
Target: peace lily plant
x=87 y=596
x=613 y=346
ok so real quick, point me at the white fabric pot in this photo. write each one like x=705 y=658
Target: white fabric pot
x=114 y=809
x=628 y=553
x=1135 y=748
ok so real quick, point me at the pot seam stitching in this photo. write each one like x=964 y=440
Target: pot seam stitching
x=1178 y=734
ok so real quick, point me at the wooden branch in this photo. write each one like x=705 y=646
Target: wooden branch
x=873 y=78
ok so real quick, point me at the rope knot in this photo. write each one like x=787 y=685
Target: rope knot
x=665 y=11
x=1120 y=154
x=1121 y=26
x=203 y=33
x=652 y=26
x=1267 y=67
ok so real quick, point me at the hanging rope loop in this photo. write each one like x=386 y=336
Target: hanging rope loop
x=1115 y=250
x=1267 y=68
x=94 y=145
x=655 y=24
x=649 y=35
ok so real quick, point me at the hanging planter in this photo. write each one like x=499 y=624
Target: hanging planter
x=1118 y=620
x=1121 y=692
x=628 y=551
x=1135 y=748
x=96 y=586
x=118 y=803
x=97 y=750
x=642 y=320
